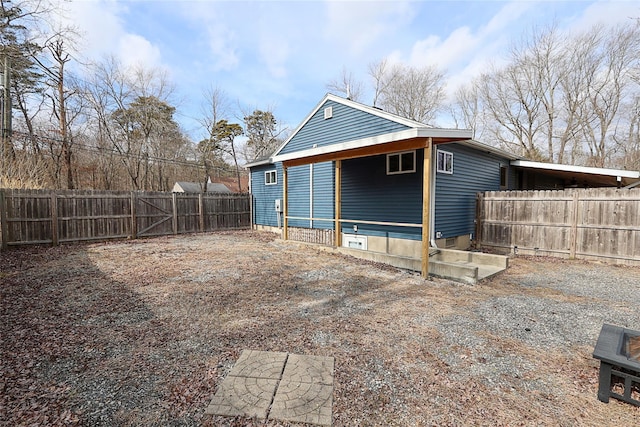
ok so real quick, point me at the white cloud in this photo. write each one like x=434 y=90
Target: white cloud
x=274 y=50
x=607 y=12
x=136 y=50
x=462 y=44
x=222 y=47
x=357 y=25
x=102 y=33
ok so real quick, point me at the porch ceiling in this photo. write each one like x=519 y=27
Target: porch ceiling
x=389 y=143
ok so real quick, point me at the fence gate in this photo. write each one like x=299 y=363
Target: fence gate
x=154 y=214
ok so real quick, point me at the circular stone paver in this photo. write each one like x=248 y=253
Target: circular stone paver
x=303 y=402
x=243 y=396
x=259 y=364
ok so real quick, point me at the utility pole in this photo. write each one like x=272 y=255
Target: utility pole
x=7 y=149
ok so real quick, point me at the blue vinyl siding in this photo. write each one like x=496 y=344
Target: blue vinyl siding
x=369 y=194
x=323 y=194
x=264 y=196
x=473 y=172
x=298 y=195
x=346 y=124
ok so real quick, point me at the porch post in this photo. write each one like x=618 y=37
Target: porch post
x=338 y=202
x=426 y=207
x=285 y=205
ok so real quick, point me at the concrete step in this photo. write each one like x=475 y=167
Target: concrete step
x=462 y=266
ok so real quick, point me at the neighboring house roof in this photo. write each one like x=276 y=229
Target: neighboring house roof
x=598 y=176
x=196 y=187
x=232 y=183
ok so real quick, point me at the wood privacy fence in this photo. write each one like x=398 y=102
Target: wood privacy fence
x=598 y=224
x=45 y=216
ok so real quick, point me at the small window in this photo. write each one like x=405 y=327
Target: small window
x=270 y=178
x=328 y=112
x=401 y=162
x=444 y=162
x=503 y=177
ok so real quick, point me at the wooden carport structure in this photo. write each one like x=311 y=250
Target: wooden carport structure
x=411 y=139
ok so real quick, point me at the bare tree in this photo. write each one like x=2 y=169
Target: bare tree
x=608 y=77
x=216 y=107
x=558 y=94
x=347 y=85
x=414 y=93
x=466 y=110
x=512 y=109
x=134 y=119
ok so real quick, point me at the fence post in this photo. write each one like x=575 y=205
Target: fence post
x=479 y=218
x=4 y=227
x=54 y=218
x=134 y=220
x=174 y=200
x=573 y=235
x=250 y=197
x=201 y=212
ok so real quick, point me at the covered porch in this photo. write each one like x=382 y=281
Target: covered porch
x=441 y=262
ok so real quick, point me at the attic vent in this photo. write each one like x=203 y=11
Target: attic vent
x=328 y=112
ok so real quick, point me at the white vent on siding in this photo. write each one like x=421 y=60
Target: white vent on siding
x=328 y=112
x=354 y=241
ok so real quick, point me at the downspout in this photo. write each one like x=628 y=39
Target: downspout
x=310 y=195
x=432 y=202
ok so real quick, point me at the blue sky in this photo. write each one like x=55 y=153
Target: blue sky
x=281 y=54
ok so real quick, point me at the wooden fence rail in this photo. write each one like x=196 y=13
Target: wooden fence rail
x=597 y=224
x=45 y=216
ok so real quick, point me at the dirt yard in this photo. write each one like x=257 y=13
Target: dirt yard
x=141 y=333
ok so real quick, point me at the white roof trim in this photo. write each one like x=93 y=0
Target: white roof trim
x=357 y=106
x=488 y=148
x=577 y=169
x=258 y=163
x=376 y=140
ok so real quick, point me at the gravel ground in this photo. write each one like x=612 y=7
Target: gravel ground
x=142 y=332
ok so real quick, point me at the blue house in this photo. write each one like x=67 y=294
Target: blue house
x=375 y=182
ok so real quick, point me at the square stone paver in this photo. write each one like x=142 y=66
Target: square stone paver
x=309 y=369
x=243 y=396
x=259 y=364
x=303 y=402
x=277 y=386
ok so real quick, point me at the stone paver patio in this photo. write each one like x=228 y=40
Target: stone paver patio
x=278 y=386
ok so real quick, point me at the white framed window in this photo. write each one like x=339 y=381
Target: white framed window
x=404 y=162
x=270 y=178
x=444 y=162
x=328 y=113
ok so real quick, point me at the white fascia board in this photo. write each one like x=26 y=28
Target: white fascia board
x=577 y=169
x=491 y=149
x=377 y=112
x=376 y=140
x=258 y=163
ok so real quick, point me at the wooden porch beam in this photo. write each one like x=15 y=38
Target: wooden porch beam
x=338 y=203
x=393 y=147
x=285 y=205
x=426 y=207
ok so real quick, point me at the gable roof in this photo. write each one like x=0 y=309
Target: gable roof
x=357 y=106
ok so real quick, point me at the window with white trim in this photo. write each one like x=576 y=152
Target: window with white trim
x=444 y=162
x=270 y=178
x=404 y=162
